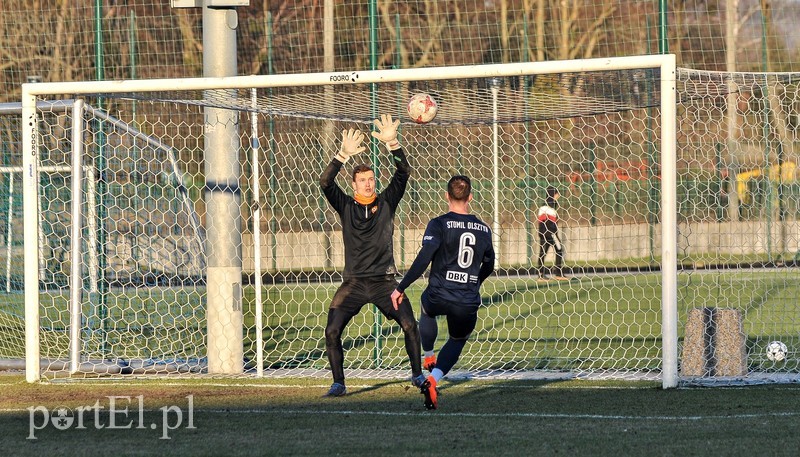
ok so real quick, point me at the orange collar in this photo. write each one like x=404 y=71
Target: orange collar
x=365 y=200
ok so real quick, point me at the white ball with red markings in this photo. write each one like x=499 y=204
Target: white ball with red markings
x=422 y=108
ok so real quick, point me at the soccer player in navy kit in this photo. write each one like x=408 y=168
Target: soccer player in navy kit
x=460 y=247
x=367 y=227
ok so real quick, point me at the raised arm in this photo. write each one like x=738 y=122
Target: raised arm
x=386 y=132
x=351 y=145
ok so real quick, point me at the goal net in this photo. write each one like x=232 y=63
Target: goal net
x=195 y=238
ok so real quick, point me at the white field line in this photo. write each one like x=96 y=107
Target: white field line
x=508 y=415
x=399 y=383
x=443 y=414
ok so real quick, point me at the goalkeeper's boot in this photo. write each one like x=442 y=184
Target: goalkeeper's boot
x=337 y=390
x=429 y=363
x=418 y=381
x=428 y=389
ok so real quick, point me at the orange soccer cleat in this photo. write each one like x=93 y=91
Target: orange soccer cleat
x=429 y=363
x=428 y=388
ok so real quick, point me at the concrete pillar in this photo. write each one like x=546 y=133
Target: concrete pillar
x=223 y=202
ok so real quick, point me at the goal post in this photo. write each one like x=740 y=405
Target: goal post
x=480 y=130
x=30 y=167
x=669 y=225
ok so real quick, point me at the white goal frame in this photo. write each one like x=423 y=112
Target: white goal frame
x=665 y=63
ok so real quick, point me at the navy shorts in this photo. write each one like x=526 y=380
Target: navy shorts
x=461 y=318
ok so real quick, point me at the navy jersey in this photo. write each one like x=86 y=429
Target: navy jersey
x=459 y=249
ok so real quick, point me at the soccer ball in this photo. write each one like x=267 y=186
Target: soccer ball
x=776 y=351
x=422 y=108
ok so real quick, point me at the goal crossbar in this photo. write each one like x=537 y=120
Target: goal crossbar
x=353 y=77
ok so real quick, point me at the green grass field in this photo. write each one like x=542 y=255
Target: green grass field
x=287 y=417
x=596 y=322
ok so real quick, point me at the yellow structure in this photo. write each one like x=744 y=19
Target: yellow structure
x=788 y=173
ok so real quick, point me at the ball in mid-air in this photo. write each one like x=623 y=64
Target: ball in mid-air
x=422 y=108
x=776 y=351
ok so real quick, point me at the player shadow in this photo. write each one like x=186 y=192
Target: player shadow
x=467 y=379
x=380 y=385
x=455 y=393
x=535 y=396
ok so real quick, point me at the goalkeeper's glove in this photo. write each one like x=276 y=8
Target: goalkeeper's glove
x=557 y=241
x=351 y=145
x=387 y=131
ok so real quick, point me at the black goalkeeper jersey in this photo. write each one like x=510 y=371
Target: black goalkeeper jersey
x=460 y=247
x=367 y=230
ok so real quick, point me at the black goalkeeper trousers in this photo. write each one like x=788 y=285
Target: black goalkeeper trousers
x=348 y=300
x=545 y=243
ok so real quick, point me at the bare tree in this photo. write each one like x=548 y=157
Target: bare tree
x=579 y=26
x=417 y=49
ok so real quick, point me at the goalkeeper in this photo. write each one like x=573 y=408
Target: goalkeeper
x=549 y=237
x=367 y=228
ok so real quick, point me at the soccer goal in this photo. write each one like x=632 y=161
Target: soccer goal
x=199 y=243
